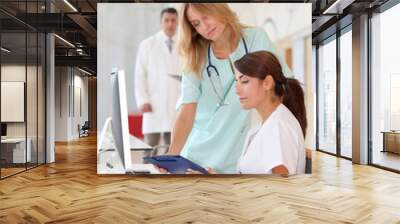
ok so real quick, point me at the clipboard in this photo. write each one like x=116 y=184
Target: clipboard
x=175 y=76
x=175 y=164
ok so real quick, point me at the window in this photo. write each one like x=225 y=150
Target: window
x=23 y=78
x=327 y=97
x=385 y=89
x=346 y=94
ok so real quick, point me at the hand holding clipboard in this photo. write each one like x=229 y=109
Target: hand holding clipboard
x=175 y=164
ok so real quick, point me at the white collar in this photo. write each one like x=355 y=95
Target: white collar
x=164 y=37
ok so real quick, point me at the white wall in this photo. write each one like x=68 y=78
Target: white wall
x=67 y=81
x=80 y=83
x=117 y=46
x=61 y=103
x=12 y=73
x=385 y=67
x=33 y=126
x=280 y=20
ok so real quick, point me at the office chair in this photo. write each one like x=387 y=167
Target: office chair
x=308 y=161
x=84 y=130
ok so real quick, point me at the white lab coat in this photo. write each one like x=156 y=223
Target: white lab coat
x=154 y=85
x=279 y=141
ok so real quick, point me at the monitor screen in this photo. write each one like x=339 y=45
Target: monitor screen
x=3 y=129
x=124 y=142
x=120 y=117
x=119 y=161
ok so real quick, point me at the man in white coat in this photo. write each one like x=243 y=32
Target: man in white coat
x=157 y=87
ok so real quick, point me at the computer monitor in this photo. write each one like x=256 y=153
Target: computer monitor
x=124 y=142
x=3 y=129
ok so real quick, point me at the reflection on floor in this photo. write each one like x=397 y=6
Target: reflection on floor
x=347 y=152
x=5 y=172
x=386 y=159
x=10 y=171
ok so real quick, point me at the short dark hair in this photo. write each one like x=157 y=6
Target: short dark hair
x=168 y=10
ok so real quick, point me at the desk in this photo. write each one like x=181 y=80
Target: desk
x=17 y=150
x=391 y=141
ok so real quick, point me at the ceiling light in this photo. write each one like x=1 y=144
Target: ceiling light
x=86 y=72
x=337 y=7
x=65 y=41
x=70 y=5
x=5 y=50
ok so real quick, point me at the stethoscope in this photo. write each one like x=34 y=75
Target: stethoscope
x=213 y=71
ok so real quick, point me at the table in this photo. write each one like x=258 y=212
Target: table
x=391 y=141
x=17 y=150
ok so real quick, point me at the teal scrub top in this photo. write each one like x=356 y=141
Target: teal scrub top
x=218 y=132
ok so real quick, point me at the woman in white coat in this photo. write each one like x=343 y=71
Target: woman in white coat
x=157 y=86
x=277 y=146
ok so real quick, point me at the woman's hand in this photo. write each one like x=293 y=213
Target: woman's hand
x=161 y=170
x=209 y=170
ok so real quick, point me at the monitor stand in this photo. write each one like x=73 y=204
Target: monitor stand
x=141 y=168
x=106 y=147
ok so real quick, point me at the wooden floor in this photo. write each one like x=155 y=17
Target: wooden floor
x=70 y=191
x=8 y=171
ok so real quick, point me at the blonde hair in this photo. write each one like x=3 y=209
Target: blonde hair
x=192 y=46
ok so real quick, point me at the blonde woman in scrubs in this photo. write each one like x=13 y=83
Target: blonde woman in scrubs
x=211 y=127
x=277 y=146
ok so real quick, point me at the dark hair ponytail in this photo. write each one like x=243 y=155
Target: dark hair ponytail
x=259 y=64
x=293 y=99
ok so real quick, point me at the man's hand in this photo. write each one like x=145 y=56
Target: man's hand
x=146 y=108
